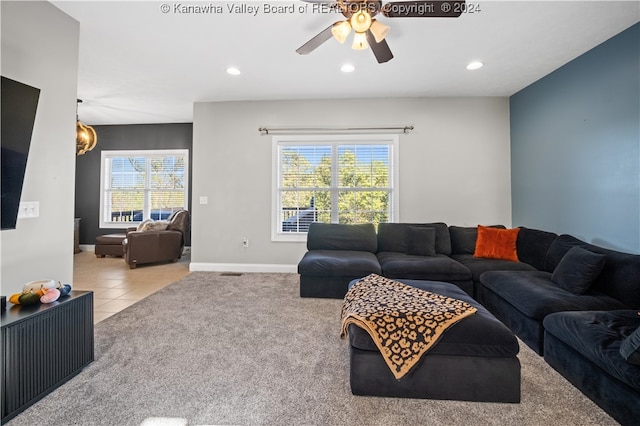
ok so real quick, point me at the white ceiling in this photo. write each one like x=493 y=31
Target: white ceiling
x=140 y=65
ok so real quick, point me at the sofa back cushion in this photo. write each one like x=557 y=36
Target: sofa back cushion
x=533 y=246
x=393 y=237
x=421 y=241
x=179 y=221
x=620 y=276
x=463 y=238
x=337 y=236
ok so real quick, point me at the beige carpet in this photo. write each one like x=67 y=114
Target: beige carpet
x=246 y=350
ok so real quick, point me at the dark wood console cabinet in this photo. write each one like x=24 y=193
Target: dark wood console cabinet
x=43 y=346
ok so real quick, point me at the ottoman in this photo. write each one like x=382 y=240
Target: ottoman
x=474 y=360
x=109 y=245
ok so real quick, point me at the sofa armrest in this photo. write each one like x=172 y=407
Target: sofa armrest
x=154 y=246
x=151 y=237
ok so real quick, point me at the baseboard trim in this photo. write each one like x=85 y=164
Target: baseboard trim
x=241 y=267
x=92 y=248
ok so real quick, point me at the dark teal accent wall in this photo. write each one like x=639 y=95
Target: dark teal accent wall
x=575 y=147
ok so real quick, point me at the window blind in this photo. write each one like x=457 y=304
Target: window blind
x=140 y=185
x=334 y=181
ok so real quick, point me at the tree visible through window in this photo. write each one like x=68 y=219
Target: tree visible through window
x=140 y=185
x=336 y=180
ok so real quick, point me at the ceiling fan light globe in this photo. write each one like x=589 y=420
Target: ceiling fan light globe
x=341 y=30
x=379 y=30
x=360 y=21
x=360 y=41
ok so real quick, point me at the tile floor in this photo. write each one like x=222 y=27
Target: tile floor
x=115 y=286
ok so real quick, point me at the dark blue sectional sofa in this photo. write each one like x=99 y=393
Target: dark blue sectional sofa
x=585 y=347
x=577 y=307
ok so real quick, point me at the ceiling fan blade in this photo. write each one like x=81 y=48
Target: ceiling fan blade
x=316 y=41
x=423 y=9
x=380 y=50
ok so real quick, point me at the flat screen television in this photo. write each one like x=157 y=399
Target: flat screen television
x=18 y=110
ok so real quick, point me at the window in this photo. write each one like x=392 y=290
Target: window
x=332 y=179
x=140 y=185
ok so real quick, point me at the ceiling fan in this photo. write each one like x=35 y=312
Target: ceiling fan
x=370 y=32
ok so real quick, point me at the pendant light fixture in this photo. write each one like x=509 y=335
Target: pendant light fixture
x=86 y=137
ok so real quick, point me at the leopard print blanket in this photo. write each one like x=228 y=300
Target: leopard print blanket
x=403 y=321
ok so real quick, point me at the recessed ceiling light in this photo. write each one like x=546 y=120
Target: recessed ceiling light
x=474 y=65
x=347 y=68
x=233 y=71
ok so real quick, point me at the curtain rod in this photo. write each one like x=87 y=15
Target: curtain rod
x=315 y=130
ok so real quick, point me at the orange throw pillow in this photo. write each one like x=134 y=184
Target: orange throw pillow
x=495 y=243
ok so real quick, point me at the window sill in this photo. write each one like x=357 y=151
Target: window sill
x=289 y=237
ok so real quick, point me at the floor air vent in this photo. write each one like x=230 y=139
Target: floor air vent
x=231 y=274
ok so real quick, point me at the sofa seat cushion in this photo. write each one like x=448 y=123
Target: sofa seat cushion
x=436 y=268
x=335 y=263
x=597 y=336
x=535 y=295
x=478 y=335
x=478 y=265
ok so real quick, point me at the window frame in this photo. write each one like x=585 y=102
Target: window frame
x=106 y=154
x=277 y=141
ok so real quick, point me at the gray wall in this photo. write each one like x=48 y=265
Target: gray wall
x=120 y=137
x=40 y=48
x=454 y=167
x=575 y=143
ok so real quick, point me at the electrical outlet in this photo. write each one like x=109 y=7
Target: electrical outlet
x=245 y=242
x=29 y=209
